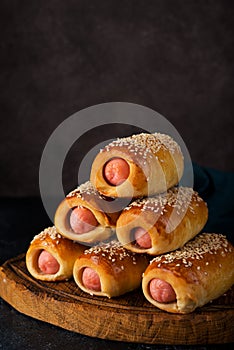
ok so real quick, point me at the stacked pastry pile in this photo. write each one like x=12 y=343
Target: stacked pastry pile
x=142 y=227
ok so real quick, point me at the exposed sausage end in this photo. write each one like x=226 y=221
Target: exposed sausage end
x=47 y=263
x=91 y=280
x=82 y=220
x=116 y=171
x=142 y=238
x=161 y=291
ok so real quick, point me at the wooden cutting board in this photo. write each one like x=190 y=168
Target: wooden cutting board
x=129 y=318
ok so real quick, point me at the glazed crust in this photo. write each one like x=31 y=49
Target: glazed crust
x=155 y=162
x=63 y=250
x=170 y=219
x=199 y=272
x=119 y=270
x=105 y=211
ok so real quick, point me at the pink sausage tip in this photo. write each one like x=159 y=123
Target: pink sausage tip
x=161 y=291
x=82 y=220
x=47 y=263
x=91 y=280
x=142 y=238
x=116 y=171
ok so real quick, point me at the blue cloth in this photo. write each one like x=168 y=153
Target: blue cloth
x=216 y=188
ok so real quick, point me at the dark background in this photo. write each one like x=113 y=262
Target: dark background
x=58 y=57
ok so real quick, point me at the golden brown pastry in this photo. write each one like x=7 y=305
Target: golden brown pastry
x=86 y=216
x=190 y=277
x=162 y=223
x=50 y=257
x=109 y=270
x=136 y=166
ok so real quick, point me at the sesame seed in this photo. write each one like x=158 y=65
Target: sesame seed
x=84 y=189
x=177 y=198
x=189 y=264
x=114 y=251
x=145 y=145
x=205 y=243
x=51 y=232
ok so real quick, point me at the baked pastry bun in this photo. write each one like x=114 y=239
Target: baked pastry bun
x=190 y=277
x=86 y=216
x=136 y=166
x=109 y=270
x=162 y=223
x=50 y=257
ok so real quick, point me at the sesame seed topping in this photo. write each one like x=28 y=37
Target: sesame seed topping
x=177 y=197
x=84 y=189
x=195 y=249
x=51 y=232
x=145 y=145
x=114 y=251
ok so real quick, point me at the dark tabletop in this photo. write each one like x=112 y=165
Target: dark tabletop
x=18 y=331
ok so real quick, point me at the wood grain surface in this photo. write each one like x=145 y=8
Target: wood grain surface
x=128 y=318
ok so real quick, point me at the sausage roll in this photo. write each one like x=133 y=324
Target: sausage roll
x=109 y=270
x=192 y=276
x=162 y=223
x=136 y=166
x=86 y=216
x=50 y=257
